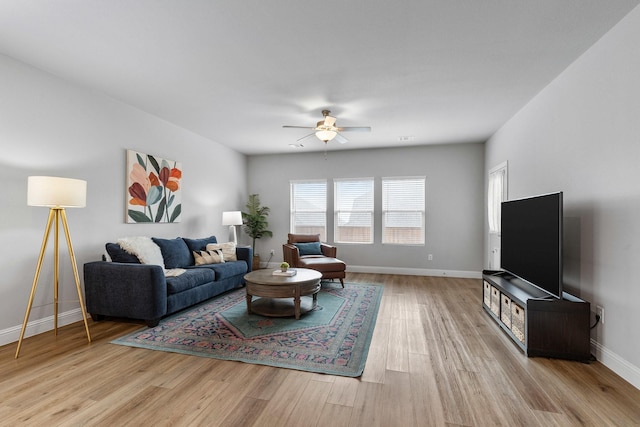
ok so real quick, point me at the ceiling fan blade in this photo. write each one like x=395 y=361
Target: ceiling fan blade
x=298 y=127
x=341 y=139
x=355 y=129
x=305 y=137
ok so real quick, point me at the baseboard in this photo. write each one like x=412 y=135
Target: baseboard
x=39 y=326
x=403 y=271
x=415 y=271
x=617 y=364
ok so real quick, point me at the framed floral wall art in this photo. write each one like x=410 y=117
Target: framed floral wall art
x=153 y=188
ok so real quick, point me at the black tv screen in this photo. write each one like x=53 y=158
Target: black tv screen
x=531 y=241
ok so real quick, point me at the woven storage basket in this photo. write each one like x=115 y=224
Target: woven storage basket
x=495 y=301
x=505 y=310
x=486 y=294
x=517 y=321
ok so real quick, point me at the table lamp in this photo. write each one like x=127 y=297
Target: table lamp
x=232 y=219
x=56 y=194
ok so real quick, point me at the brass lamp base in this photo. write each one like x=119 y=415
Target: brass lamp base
x=58 y=215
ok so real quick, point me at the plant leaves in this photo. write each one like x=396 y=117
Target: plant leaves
x=176 y=213
x=255 y=220
x=161 y=208
x=140 y=161
x=138 y=216
x=154 y=162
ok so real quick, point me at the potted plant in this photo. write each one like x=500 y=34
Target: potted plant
x=255 y=224
x=284 y=266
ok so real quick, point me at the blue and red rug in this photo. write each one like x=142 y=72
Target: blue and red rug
x=332 y=339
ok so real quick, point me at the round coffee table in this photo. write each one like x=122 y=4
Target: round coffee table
x=280 y=296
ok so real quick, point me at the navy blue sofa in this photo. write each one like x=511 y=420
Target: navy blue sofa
x=125 y=288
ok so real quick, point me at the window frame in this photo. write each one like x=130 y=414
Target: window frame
x=294 y=211
x=338 y=211
x=385 y=210
x=497 y=185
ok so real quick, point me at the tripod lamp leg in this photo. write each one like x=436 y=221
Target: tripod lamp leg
x=35 y=279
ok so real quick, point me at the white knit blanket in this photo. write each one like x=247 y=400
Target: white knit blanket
x=147 y=252
x=144 y=248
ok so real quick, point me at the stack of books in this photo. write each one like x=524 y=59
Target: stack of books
x=290 y=272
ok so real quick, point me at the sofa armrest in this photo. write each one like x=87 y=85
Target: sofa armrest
x=291 y=254
x=245 y=253
x=328 y=250
x=135 y=291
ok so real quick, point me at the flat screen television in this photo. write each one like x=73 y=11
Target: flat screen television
x=531 y=241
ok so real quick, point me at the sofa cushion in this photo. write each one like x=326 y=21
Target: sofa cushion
x=191 y=278
x=309 y=248
x=322 y=264
x=117 y=254
x=228 y=250
x=175 y=252
x=229 y=269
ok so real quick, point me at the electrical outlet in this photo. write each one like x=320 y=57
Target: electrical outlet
x=430 y=257
x=273 y=252
x=600 y=312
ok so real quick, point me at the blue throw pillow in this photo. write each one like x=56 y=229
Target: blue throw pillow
x=117 y=254
x=197 y=245
x=310 y=248
x=175 y=252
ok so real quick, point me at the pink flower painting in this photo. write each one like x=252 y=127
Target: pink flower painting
x=153 y=189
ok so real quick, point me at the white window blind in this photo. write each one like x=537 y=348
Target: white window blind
x=496 y=194
x=403 y=210
x=353 y=210
x=309 y=207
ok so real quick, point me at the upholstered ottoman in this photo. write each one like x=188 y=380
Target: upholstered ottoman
x=331 y=268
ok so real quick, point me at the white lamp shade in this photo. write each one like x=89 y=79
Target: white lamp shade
x=52 y=191
x=325 y=135
x=232 y=218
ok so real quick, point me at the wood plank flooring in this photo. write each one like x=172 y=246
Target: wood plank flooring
x=436 y=359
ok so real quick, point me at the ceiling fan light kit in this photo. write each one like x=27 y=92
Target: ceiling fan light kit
x=326 y=130
x=326 y=135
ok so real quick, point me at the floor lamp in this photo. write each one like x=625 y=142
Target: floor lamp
x=56 y=194
x=232 y=219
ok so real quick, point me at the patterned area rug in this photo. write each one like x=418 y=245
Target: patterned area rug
x=332 y=339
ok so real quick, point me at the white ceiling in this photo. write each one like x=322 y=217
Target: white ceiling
x=437 y=71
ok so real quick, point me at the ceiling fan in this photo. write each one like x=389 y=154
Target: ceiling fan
x=326 y=129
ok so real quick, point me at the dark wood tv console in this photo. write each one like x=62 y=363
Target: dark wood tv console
x=538 y=323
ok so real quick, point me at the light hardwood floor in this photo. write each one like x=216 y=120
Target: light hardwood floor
x=436 y=359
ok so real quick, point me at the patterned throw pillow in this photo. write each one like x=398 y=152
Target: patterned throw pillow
x=228 y=250
x=208 y=257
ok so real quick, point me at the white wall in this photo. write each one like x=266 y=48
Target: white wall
x=51 y=127
x=581 y=135
x=454 y=198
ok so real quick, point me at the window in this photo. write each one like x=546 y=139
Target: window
x=309 y=207
x=353 y=210
x=496 y=194
x=403 y=210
